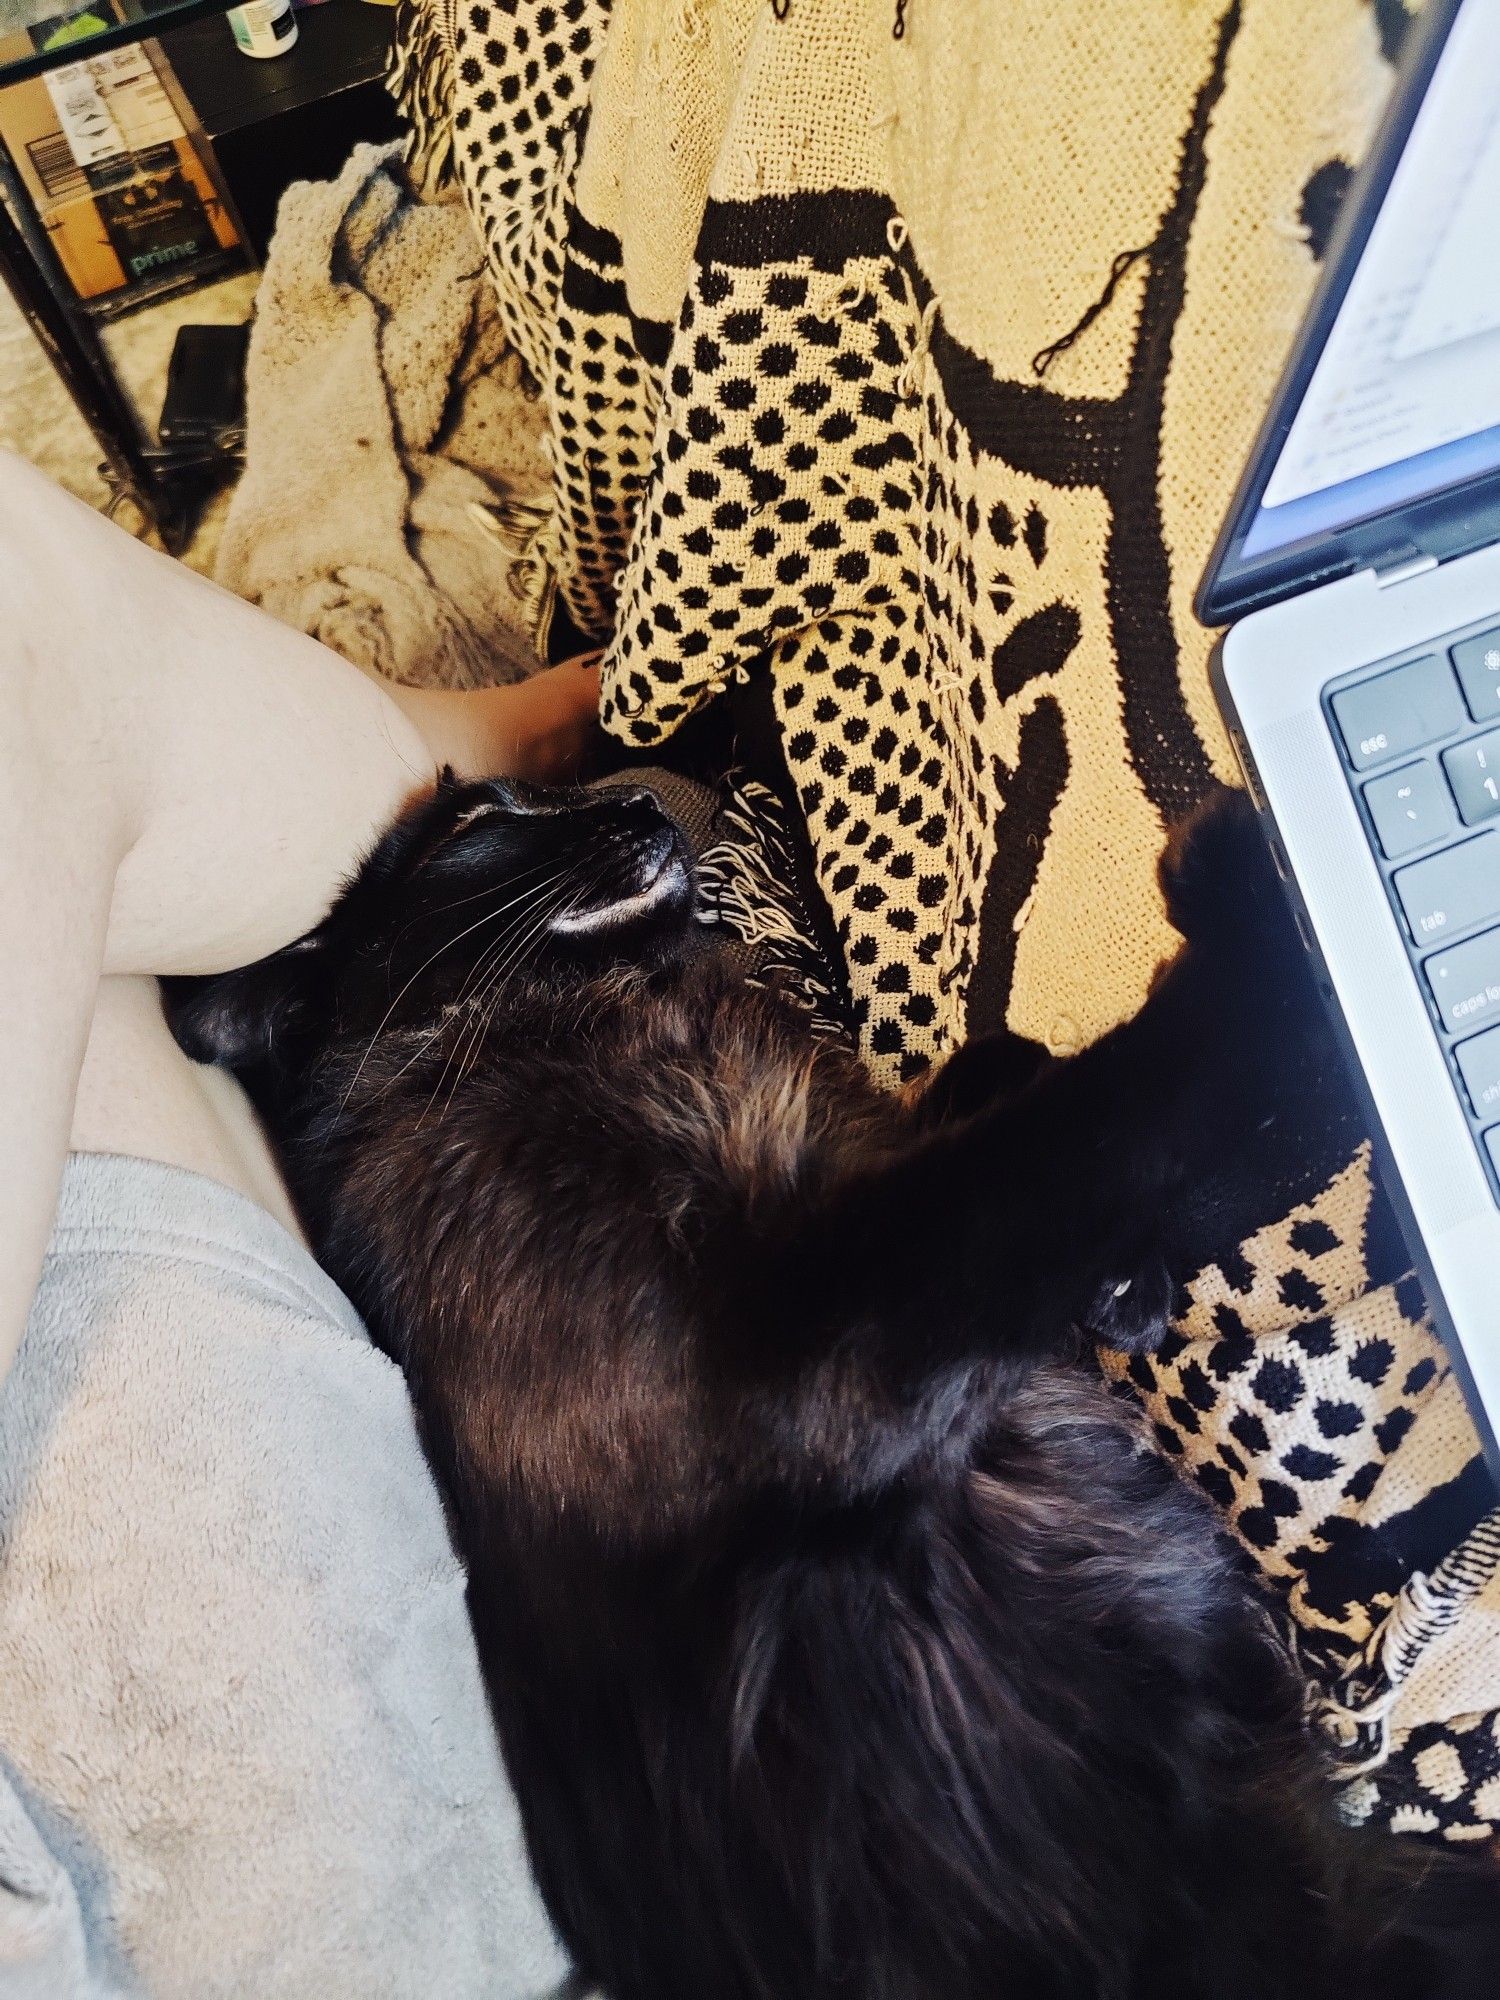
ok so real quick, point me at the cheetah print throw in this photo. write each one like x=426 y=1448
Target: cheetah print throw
x=897 y=359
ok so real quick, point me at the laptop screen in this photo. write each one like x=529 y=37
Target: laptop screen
x=1393 y=395
x=1406 y=396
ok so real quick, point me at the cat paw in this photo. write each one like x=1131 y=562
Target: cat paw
x=1216 y=874
x=979 y=1077
x=1133 y=1312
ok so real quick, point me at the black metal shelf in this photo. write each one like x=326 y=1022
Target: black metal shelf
x=291 y=117
x=295 y=116
x=341 y=45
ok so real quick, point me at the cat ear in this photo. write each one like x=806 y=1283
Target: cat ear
x=242 y=1019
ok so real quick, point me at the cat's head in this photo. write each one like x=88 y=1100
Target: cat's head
x=475 y=887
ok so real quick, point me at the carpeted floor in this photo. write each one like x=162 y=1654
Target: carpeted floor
x=38 y=420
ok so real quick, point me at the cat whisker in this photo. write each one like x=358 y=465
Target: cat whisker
x=469 y=995
x=483 y=1003
x=556 y=886
x=462 y=902
x=443 y=1023
x=489 y=917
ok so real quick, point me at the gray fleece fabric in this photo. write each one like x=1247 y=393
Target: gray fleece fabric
x=244 y=1747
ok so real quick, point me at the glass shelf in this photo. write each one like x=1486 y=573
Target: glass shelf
x=64 y=31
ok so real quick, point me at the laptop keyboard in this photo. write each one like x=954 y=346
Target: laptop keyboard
x=1420 y=742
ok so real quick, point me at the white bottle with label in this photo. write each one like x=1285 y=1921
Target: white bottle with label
x=263 y=27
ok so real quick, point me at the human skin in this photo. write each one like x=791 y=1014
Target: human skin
x=184 y=784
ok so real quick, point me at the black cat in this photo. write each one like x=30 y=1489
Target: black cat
x=843 y=1641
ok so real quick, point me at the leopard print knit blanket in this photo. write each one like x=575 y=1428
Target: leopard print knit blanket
x=897 y=359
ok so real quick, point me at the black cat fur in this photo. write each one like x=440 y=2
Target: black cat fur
x=843 y=1642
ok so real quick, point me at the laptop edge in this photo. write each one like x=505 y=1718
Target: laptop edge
x=1300 y=617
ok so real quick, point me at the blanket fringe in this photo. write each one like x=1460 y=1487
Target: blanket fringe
x=419 y=76
x=746 y=875
x=520 y=527
x=1355 y=1715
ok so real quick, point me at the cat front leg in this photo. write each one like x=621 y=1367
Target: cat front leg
x=978 y=1077
x=1071 y=1208
x=1068 y=1212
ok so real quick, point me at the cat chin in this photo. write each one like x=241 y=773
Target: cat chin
x=672 y=883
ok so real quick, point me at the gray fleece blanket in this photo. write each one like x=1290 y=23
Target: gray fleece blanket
x=244 y=1747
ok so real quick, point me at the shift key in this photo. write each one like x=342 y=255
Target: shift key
x=1453 y=890
x=1479 y=1065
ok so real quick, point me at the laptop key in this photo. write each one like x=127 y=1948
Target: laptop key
x=1451 y=891
x=1465 y=982
x=1409 y=808
x=1478 y=663
x=1474 y=773
x=1398 y=711
x=1479 y=1065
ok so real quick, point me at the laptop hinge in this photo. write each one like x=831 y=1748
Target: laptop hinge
x=1401 y=564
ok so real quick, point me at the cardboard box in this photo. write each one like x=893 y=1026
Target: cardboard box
x=116 y=181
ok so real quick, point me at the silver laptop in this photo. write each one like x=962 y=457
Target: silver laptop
x=1359 y=575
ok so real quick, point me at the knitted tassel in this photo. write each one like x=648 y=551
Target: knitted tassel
x=520 y=526
x=746 y=875
x=419 y=76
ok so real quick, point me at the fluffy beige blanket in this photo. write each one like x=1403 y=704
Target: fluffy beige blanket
x=395 y=481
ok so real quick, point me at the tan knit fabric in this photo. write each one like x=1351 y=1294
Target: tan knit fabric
x=700 y=102
x=393 y=472
x=899 y=358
